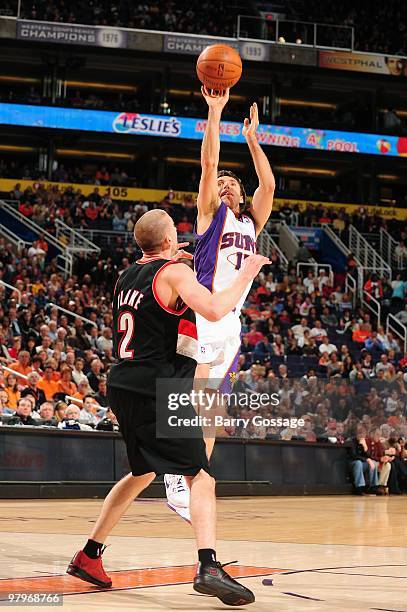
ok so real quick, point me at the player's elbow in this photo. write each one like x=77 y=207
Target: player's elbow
x=213 y=313
x=208 y=164
x=269 y=186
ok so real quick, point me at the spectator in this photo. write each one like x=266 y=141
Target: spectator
x=65 y=385
x=262 y=351
x=46 y=413
x=48 y=384
x=327 y=347
x=318 y=333
x=105 y=342
x=72 y=418
x=363 y=465
x=23 y=414
x=32 y=389
x=78 y=374
x=101 y=395
x=12 y=390
x=89 y=409
x=22 y=365
x=96 y=367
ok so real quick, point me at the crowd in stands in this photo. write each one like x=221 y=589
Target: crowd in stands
x=197 y=18
x=330 y=362
x=379 y=27
x=109 y=100
x=95 y=211
x=309 y=189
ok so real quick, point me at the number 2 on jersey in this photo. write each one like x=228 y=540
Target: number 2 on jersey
x=126 y=326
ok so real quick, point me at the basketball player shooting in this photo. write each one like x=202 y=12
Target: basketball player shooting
x=226 y=231
x=155 y=338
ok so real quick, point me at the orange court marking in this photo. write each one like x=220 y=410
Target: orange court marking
x=122 y=579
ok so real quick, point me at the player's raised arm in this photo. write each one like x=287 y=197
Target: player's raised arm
x=208 y=199
x=262 y=202
x=212 y=306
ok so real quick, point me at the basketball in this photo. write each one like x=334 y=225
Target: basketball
x=219 y=67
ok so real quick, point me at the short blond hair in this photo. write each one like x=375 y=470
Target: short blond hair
x=151 y=229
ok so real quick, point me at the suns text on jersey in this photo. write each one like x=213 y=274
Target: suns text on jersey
x=240 y=241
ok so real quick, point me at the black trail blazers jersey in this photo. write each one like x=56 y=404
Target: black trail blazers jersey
x=150 y=341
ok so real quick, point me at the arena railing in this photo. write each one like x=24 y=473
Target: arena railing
x=388 y=250
x=13 y=288
x=305 y=33
x=74 y=240
x=369 y=302
x=73 y=399
x=369 y=259
x=64 y=254
x=351 y=288
x=266 y=244
x=15 y=372
x=72 y=314
x=11 y=237
x=398 y=328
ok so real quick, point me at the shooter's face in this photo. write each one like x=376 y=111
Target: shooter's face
x=229 y=192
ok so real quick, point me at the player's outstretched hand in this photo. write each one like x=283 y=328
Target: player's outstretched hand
x=250 y=126
x=252 y=265
x=214 y=98
x=181 y=254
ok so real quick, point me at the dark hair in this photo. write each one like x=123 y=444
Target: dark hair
x=242 y=205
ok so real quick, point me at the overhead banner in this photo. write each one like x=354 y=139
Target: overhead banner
x=134 y=194
x=193 y=45
x=363 y=62
x=166 y=126
x=69 y=34
x=116 y=192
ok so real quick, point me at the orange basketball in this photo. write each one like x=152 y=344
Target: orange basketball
x=219 y=67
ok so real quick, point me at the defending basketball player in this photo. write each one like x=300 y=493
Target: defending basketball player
x=226 y=232
x=154 y=338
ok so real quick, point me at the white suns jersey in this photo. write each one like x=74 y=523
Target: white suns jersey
x=219 y=253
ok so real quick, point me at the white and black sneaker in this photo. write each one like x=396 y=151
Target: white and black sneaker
x=178 y=495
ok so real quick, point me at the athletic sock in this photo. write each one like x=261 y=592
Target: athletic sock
x=93 y=549
x=206 y=556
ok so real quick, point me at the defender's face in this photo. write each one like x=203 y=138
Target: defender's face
x=229 y=192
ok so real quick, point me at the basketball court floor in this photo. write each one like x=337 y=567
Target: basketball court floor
x=295 y=553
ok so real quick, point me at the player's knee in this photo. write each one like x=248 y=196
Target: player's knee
x=207 y=479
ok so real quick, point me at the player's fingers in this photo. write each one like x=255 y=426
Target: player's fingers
x=181 y=245
x=246 y=122
x=185 y=255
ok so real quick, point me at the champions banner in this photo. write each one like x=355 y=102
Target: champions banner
x=363 y=62
x=165 y=126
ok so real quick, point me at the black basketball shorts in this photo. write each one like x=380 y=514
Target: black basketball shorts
x=136 y=415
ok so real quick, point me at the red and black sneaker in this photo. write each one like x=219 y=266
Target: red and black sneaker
x=90 y=570
x=213 y=580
